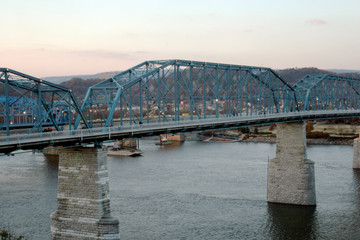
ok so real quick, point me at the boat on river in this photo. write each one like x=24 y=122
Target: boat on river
x=223 y=139
x=124 y=153
x=163 y=141
x=124 y=149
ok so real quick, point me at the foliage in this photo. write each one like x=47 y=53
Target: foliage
x=309 y=126
x=246 y=136
x=80 y=86
x=352 y=121
x=6 y=235
x=209 y=133
x=317 y=134
x=244 y=130
x=264 y=133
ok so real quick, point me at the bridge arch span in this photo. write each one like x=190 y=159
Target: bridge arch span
x=164 y=91
x=327 y=92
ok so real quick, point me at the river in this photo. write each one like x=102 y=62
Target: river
x=193 y=191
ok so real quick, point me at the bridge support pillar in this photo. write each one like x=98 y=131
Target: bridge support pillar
x=83 y=210
x=356 y=158
x=129 y=144
x=291 y=176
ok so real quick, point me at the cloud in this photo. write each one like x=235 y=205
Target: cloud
x=315 y=21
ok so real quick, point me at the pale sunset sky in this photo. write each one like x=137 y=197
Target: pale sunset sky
x=70 y=37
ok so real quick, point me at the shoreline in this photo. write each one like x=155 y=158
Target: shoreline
x=309 y=141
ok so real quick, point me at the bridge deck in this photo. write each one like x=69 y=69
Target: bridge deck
x=74 y=137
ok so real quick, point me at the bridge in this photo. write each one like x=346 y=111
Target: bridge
x=169 y=96
x=29 y=101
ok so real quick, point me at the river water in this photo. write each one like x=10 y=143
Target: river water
x=193 y=191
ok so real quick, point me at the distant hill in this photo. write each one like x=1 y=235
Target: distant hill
x=80 y=84
x=60 y=79
x=292 y=75
x=343 y=71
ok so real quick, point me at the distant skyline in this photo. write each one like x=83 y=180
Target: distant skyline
x=49 y=38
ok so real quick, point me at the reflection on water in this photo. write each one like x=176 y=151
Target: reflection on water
x=291 y=221
x=356 y=184
x=51 y=164
x=192 y=191
x=356 y=189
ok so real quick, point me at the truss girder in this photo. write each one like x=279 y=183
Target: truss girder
x=170 y=90
x=31 y=101
x=327 y=92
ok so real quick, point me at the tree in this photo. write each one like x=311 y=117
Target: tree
x=309 y=126
x=5 y=235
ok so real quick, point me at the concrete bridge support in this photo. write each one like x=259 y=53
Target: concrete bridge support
x=129 y=144
x=291 y=177
x=356 y=158
x=83 y=210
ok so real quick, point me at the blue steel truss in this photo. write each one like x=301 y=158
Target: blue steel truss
x=168 y=97
x=327 y=92
x=27 y=99
x=23 y=113
x=170 y=90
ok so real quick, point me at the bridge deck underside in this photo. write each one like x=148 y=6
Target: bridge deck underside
x=86 y=136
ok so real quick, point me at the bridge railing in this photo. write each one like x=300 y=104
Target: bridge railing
x=108 y=132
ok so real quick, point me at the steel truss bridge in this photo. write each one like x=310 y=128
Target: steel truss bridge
x=157 y=97
x=29 y=101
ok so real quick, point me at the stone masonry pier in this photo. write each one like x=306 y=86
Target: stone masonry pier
x=291 y=177
x=83 y=210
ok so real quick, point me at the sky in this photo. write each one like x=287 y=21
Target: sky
x=71 y=37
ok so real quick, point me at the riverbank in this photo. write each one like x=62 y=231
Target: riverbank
x=317 y=134
x=309 y=141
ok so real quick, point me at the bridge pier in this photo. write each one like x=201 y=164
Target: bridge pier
x=356 y=157
x=83 y=210
x=291 y=176
x=129 y=144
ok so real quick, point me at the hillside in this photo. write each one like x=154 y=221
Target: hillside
x=80 y=86
x=291 y=75
x=61 y=79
